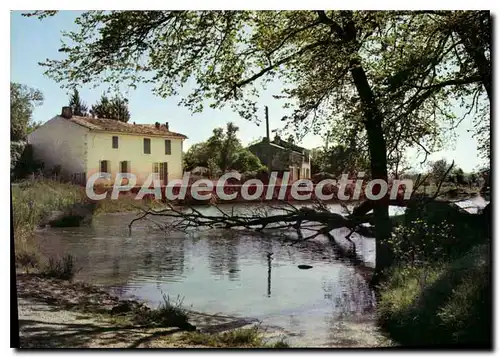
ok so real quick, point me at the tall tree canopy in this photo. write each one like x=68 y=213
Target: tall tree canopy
x=23 y=100
x=76 y=103
x=116 y=108
x=221 y=152
x=386 y=80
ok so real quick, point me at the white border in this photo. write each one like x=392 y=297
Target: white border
x=193 y=4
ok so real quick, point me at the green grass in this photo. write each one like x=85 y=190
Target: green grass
x=238 y=338
x=281 y=344
x=437 y=305
x=31 y=201
x=126 y=203
x=168 y=314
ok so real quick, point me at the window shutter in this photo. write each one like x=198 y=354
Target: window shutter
x=168 y=147
x=115 y=142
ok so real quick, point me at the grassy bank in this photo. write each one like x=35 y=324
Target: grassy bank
x=439 y=291
x=32 y=200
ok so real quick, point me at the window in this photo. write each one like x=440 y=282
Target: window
x=156 y=170
x=115 y=141
x=160 y=171
x=104 y=166
x=168 y=146
x=163 y=171
x=125 y=167
x=147 y=146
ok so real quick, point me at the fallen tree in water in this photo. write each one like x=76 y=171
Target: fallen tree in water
x=303 y=222
x=307 y=222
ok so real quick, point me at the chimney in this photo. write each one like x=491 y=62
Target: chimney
x=157 y=125
x=67 y=112
x=267 y=124
x=166 y=125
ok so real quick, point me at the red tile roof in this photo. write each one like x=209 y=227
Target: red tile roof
x=112 y=125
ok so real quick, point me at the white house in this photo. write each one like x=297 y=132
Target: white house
x=82 y=146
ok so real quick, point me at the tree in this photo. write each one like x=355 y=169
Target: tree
x=246 y=161
x=378 y=80
x=23 y=100
x=438 y=169
x=77 y=105
x=338 y=160
x=221 y=152
x=457 y=176
x=116 y=108
x=197 y=155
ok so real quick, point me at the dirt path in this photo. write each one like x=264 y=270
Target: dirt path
x=57 y=314
x=45 y=326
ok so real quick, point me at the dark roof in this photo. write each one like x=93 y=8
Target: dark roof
x=282 y=145
x=277 y=140
x=113 y=125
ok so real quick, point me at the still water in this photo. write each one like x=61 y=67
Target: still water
x=230 y=273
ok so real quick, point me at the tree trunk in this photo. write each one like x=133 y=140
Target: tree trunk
x=378 y=155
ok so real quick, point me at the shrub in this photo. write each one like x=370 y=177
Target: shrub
x=26 y=163
x=168 y=314
x=63 y=269
x=281 y=344
x=440 y=304
x=242 y=337
x=31 y=202
x=436 y=232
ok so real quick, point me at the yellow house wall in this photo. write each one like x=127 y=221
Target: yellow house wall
x=131 y=148
x=60 y=142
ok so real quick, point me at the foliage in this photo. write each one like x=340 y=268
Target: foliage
x=196 y=155
x=241 y=337
x=168 y=314
x=418 y=62
x=436 y=232
x=246 y=161
x=384 y=79
x=115 y=108
x=26 y=163
x=63 y=269
x=457 y=176
x=439 y=304
x=281 y=344
x=222 y=152
x=338 y=160
x=438 y=169
x=77 y=105
x=23 y=100
x=16 y=151
x=31 y=202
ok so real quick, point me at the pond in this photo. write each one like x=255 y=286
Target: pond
x=230 y=273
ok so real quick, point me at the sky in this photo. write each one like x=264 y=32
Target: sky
x=34 y=40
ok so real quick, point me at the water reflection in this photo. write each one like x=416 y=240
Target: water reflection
x=223 y=254
x=228 y=272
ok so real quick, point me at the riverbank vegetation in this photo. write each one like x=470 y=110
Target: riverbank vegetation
x=35 y=200
x=438 y=293
x=31 y=202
